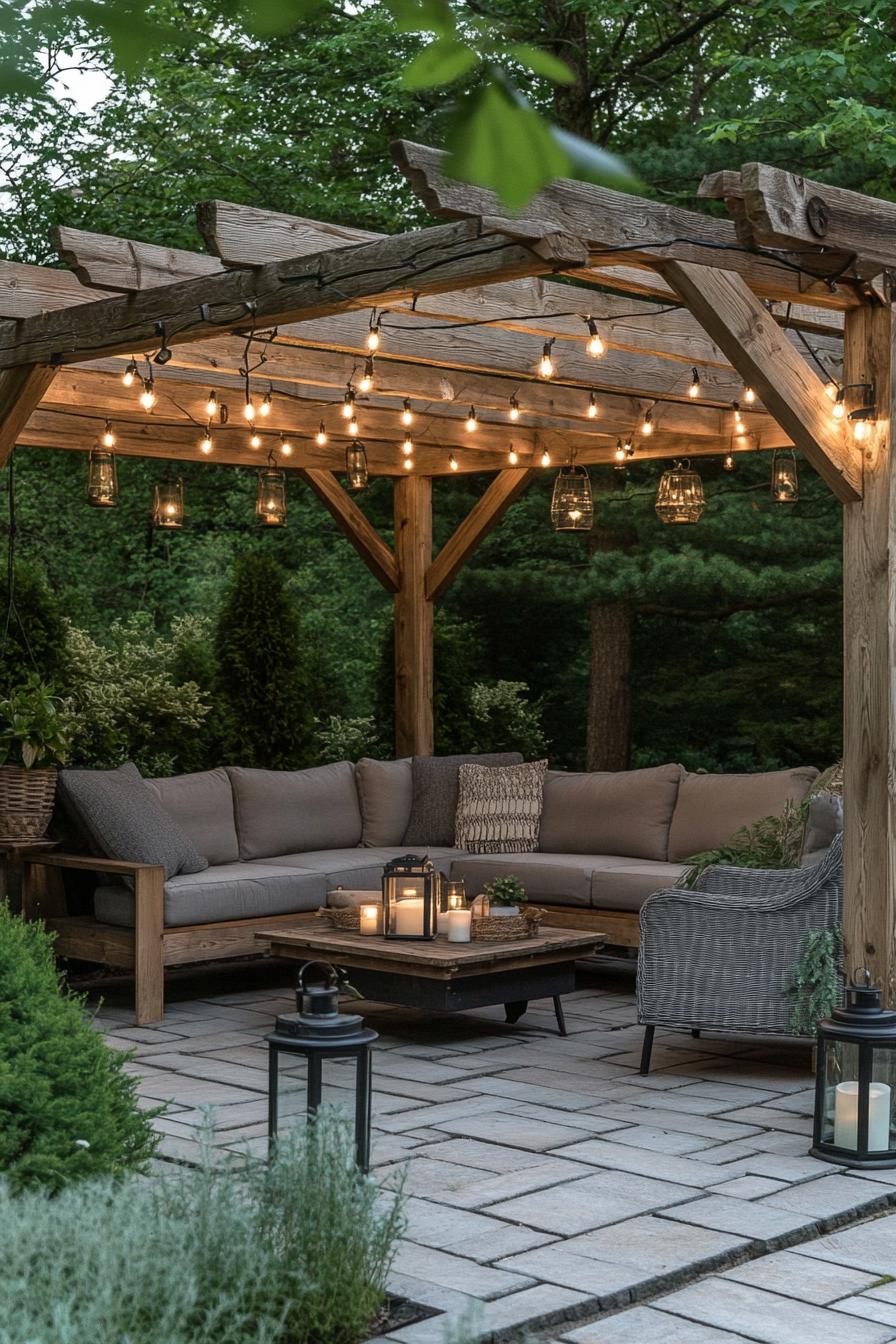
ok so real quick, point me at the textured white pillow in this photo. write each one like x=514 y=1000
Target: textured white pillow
x=499 y=808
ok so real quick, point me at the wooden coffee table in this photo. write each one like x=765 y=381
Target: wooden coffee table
x=446 y=977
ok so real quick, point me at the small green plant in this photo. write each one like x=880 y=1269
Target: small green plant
x=817 y=982
x=68 y=1110
x=507 y=890
x=348 y=739
x=772 y=842
x=503 y=719
x=295 y=1252
x=34 y=730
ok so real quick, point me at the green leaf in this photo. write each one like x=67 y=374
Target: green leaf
x=423 y=16
x=442 y=62
x=508 y=148
x=267 y=18
x=542 y=63
x=130 y=32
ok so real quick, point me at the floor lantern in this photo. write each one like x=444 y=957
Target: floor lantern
x=855 y=1086
x=410 y=898
x=318 y=1031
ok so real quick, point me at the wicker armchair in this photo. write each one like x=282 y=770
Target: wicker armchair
x=722 y=957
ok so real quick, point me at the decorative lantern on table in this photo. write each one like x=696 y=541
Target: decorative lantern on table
x=410 y=898
x=318 y=1031
x=855 y=1089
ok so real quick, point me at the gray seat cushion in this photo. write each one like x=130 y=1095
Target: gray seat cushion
x=124 y=819
x=625 y=884
x=549 y=879
x=435 y=795
x=284 y=811
x=385 y=792
x=227 y=891
x=359 y=868
x=623 y=812
x=202 y=805
x=711 y=808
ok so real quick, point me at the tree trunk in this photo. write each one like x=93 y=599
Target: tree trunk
x=609 y=697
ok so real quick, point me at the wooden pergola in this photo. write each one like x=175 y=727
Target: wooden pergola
x=796 y=283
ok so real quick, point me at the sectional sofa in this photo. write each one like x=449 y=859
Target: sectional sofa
x=270 y=846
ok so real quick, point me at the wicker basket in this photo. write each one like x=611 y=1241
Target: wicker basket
x=347 y=918
x=506 y=928
x=26 y=802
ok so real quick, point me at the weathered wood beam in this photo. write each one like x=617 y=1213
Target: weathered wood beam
x=108 y=262
x=363 y=536
x=20 y=392
x=633 y=229
x=869 y=670
x=28 y=290
x=241 y=235
x=753 y=342
x=486 y=513
x=414 y=728
x=424 y=261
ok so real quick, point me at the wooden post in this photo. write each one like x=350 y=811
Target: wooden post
x=869 y=666
x=149 y=967
x=413 y=617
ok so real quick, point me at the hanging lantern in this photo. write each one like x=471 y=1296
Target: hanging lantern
x=679 y=498
x=356 y=465
x=270 y=495
x=855 y=1084
x=785 y=481
x=572 y=506
x=168 y=504
x=102 y=478
x=410 y=898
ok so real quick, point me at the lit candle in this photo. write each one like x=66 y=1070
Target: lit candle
x=459 y=922
x=409 y=918
x=846 y=1117
x=370 y=919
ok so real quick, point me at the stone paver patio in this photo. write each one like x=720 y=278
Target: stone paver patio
x=553 y=1193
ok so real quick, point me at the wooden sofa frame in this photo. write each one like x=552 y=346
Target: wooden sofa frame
x=148 y=947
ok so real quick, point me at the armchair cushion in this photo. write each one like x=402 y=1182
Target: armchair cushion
x=710 y=808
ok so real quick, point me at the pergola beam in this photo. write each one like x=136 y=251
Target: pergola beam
x=377 y=556
x=20 y=391
x=486 y=513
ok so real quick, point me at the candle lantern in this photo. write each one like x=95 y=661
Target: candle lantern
x=679 y=498
x=785 y=480
x=572 y=505
x=410 y=898
x=317 y=1031
x=102 y=480
x=356 y=465
x=855 y=1088
x=270 y=495
x=168 y=504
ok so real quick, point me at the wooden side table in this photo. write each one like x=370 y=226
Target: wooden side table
x=13 y=854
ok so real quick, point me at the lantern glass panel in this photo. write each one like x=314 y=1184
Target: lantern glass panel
x=883 y=1098
x=168 y=504
x=785 y=480
x=680 y=497
x=270 y=498
x=841 y=1075
x=102 y=481
x=410 y=899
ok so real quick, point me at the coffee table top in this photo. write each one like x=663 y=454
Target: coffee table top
x=434 y=956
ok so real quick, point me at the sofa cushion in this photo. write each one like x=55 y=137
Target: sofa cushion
x=623 y=884
x=282 y=811
x=549 y=879
x=824 y=822
x=385 y=792
x=499 y=808
x=711 y=808
x=358 y=868
x=202 y=805
x=434 y=803
x=124 y=819
x=227 y=891
x=614 y=812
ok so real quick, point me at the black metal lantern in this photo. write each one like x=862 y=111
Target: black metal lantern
x=572 y=506
x=318 y=1031
x=679 y=498
x=270 y=495
x=168 y=504
x=785 y=478
x=102 y=479
x=855 y=1084
x=410 y=898
x=356 y=465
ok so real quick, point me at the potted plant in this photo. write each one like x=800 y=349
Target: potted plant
x=34 y=739
x=505 y=895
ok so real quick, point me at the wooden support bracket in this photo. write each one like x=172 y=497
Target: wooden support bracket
x=507 y=486
x=20 y=391
x=377 y=556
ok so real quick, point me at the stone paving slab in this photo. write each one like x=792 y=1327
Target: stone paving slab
x=596 y=1201
x=644 y=1325
x=797 y=1276
x=768 y=1317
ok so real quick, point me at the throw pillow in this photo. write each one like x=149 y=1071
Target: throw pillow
x=124 y=819
x=435 y=795
x=499 y=808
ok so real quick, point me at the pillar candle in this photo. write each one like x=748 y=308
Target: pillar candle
x=459 y=926
x=409 y=918
x=846 y=1117
x=370 y=919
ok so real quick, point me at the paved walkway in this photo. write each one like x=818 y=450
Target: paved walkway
x=553 y=1193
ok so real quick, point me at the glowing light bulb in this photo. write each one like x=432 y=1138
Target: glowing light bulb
x=409 y=464
x=320 y=437
x=108 y=438
x=471 y=421
x=728 y=463
x=594 y=345
x=353 y=426
x=373 y=337
x=832 y=389
x=514 y=412
x=148 y=395
x=348 y=405
x=546 y=364
x=647 y=424
x=255 y=440
x=286 y=447
x=206 y=443
x=838 y=410
x=452 y=462
x=860 y=430
x=749 y=395
x=592 y=407
x=130 y=374
x=407 y=415
x=265 y=407
x=619 y=452
x=513 y=457
x=545 y=458
x=249 y=410
x=366 y=382
x=408 y=446
x=694 y=389
x=211 y=406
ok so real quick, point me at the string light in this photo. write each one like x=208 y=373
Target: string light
x=255 y=440
x=738 y=419
x=647 y=424
x=366 y=382
x=619 y=452
x=838 y=410
x=353 y=426
x=285 y=447
x=860 y=430
x=452 y=462
x=594 y=345
x=211 y=405
x=409 y=464
x=130 y=373
x=320 y=437
x=206 y=443
x=108 y=437
x=728 y=462
x=373 y=335
x=513 y=456
x=148 y=395
x=694 y=389
x=265 y=407
x=249 y=409
x=629 y=446
x=831 y=389
x=592 y=406
x=514 y=412
x=407 y=415
x=408 y=446
x=471 y=421
x=546 y=364
x=749 y=395
x=348 y=403
x=545 y=458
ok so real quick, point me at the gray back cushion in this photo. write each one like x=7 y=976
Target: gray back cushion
x=202 y=805
x=385 y=792
x=825 y=820
x=434 y=803
x=124 y=819
x=625 y=812
x=290 y=811
x=711 y=808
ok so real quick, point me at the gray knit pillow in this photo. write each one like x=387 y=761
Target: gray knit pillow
x=499 y=809
x=124 y=819
x=435 y=795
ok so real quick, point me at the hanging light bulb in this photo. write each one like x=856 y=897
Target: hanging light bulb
x=206 y=443
x=356 y=465
x=545 y=458
x=320 y=437
x=728 y=462
x=749 y=395
x=629 y=446
x=594 y=346
x=471 y=421
x=679 y=498
x=168 y=504
x=102 y=479
x=546 y=364
x=513 y=456
x=514 y=412
x=409 y=464
x=860 y=430
x=366 y=382
x=572 y=505
x=785 y=480
x=211 y=405
x=694 y=389
x=407 y=415
x=108 y=437
x=831 y=388
x=285 y=448
x=348 y=403
x=353 y=426
x=130 y=374
x=270 y=495
x=647 y=424
x=592 y=406
x=452 y=462
x=249 y=409
x=619 y=452
x=408 y=446
x=738 y=419
x=838 y=410
x=373 y=335
x=255 y=440
x=148 y=395
x=267 y=401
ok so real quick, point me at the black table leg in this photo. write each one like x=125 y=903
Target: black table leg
x=514 y=1011
x=558 y=1013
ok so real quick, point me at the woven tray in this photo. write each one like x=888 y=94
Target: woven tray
x=347 y=918
x=506 y=928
